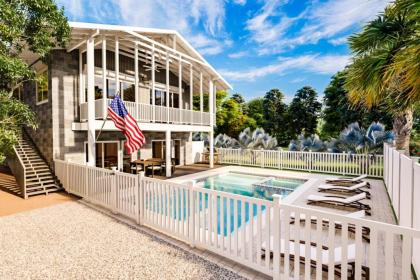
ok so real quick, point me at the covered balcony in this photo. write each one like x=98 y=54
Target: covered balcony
x=143 y=112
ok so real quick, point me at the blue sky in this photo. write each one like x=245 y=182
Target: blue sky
x=255 y=45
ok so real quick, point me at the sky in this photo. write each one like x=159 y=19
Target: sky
x=256 y=45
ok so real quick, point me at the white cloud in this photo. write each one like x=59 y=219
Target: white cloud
x=297 y=80
x=202 y=19
x=239 y=2
x=338 y=41
x=319 y=64
x=274 y=31
x=238 y=54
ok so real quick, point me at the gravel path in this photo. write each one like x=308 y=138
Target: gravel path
x=72 y=241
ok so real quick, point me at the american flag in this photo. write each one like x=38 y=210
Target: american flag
x=127 y=124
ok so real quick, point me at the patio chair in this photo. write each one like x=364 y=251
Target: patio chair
x=347 y=181
x=325 y=261
x=355 y=189
x=352 y=201
x=338 y=225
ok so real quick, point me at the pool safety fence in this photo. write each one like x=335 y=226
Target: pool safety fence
x=277 y=239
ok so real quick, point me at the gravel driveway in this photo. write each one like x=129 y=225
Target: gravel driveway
x=73 y=241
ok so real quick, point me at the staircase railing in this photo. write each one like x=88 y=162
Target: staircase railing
x=19 y=171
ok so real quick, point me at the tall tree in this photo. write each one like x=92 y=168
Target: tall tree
x=338 y=112
x=35 y=25
x=386 y=63
x=303 y=112
x=255 y=110
x=274 y=110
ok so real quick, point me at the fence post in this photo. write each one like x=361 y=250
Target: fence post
x=191 y=212
x=140 y=194
x=86 y=189
x=67 y=176
x=262 y=158
x=310 y=161
x=276 y=237
x=343 y=166
x=114 y=193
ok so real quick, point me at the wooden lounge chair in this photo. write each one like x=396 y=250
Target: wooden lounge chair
x=325 y=261
x=346 y=181
x=338 y=225
x=358 y=188
x=352 y=201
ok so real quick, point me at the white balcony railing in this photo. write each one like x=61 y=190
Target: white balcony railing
x=148 y=113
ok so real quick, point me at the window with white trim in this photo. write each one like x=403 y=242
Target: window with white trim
x=42 y=87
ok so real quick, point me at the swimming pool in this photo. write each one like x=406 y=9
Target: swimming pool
x=251 y=185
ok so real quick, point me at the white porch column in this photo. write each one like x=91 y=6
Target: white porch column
x=117 y=65
x=81 y=81
x=152 y=71
x=180 y=87
x=211 y=136
x=168 y=153
x=104 y=89
x=191 y=94
x=201 y=97
x=90 y=69
x=136 y=72
x=214 y=101
x=167 y=87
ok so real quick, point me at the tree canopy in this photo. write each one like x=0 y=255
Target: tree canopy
x=386 y=63
x=302 y=113
x=35 y=25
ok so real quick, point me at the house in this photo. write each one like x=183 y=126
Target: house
x=76 y=84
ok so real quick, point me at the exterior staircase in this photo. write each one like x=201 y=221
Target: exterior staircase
x=38 y=176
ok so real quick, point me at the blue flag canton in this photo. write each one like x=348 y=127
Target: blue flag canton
x=118 y=107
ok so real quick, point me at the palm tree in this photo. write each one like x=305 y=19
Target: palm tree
x=386 y=64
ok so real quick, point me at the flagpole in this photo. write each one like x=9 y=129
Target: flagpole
x=103 y=124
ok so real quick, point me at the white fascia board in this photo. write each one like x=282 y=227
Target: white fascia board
x=86 y=25
x=109 y=126
x=90 y=26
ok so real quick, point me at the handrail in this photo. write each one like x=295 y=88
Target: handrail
x=18 y=169
x=152 y=113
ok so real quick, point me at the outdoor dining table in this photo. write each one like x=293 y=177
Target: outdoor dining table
x=148 y=162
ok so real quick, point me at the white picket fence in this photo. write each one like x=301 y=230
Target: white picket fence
x=336 y=163
x=402 y=180
x=260 y=234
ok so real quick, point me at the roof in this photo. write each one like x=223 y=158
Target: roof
x=182 y=44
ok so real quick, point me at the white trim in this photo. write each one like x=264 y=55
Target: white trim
x=40 y=72
x=119 y=160
x=144 y=126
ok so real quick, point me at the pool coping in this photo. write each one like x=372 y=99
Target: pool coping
x=311 y=180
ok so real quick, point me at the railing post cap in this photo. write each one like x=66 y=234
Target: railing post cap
x=276 y=198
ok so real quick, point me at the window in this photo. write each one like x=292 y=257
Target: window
x=128 y=92
x=111 y=88
x=160 y=99
x=42 y=88
x=18 y=91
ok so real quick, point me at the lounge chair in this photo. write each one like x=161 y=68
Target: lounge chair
x=351 y=255
x=358 y=188
x=338 y=225
x=346 y=181
x=352 y=201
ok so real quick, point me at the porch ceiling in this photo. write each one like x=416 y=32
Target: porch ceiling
x=165 y=41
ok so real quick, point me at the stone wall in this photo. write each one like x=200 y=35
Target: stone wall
x=42 y=136
x=64 y=69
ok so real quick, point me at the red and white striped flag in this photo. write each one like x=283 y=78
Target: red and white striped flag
x=127 y=124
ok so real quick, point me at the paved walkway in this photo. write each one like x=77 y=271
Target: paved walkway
x=11 y=202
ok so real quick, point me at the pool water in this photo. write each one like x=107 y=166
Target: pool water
x=247 y=185
x=251 y=185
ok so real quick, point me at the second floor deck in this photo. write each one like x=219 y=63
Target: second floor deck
x=143 y=112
